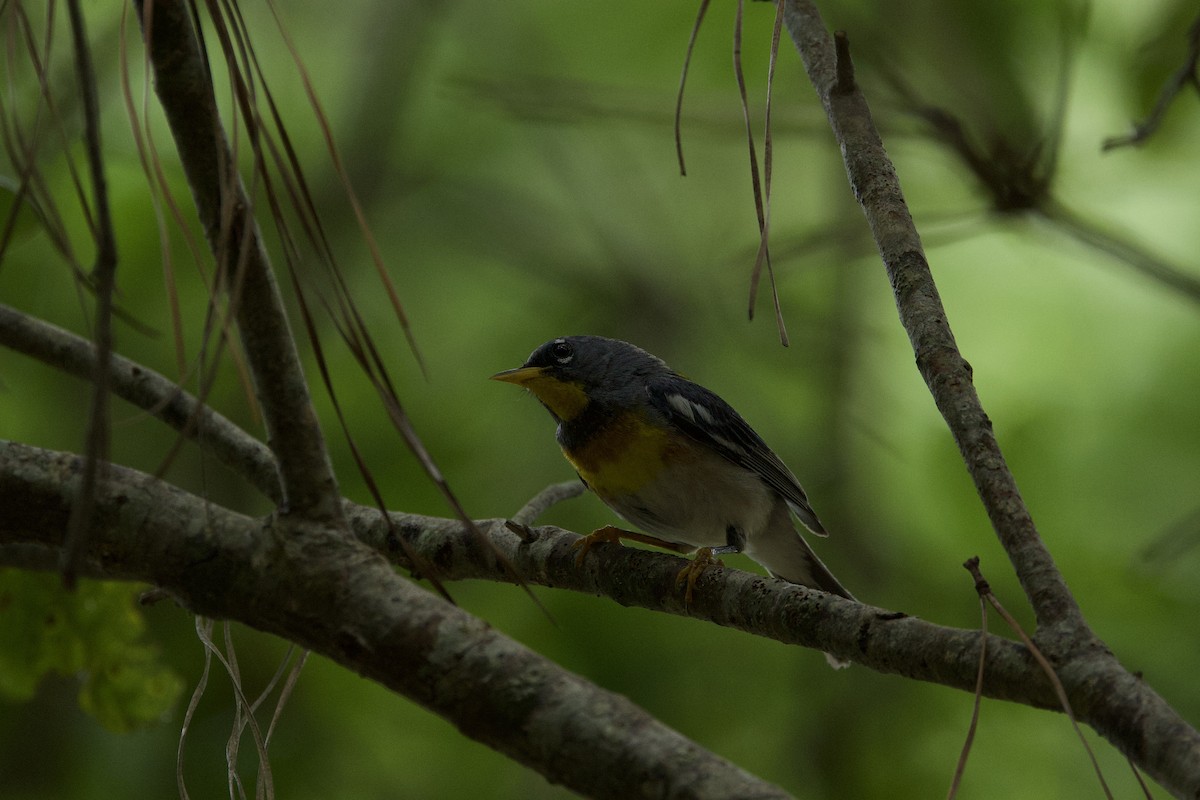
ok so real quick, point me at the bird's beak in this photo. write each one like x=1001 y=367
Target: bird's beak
x=520 y=376
x=565 y=400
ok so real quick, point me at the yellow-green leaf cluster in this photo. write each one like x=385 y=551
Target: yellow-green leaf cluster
x=94 y=634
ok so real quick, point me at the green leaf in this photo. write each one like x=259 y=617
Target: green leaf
x=131 y=691
x=95 y=633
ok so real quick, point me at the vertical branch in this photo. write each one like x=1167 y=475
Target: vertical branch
x=946 y=372
x=183 y=84
x=104 y=275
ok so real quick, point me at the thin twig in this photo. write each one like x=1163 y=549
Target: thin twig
x=1104 y=239
x=1118 y=704
x=1183 y=77
x=553 y=494
x=961 y=768
x=985 y=591
x=149 y=391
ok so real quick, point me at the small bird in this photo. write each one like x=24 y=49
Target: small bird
x=673 y=458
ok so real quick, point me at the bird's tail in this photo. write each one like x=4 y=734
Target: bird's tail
x=783 y=551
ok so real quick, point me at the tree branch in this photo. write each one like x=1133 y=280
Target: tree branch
x=545 y=556
x=947 y=374
x=337 y=597
x=1117 y=704
x=224 y=565
x=1103 y=695
x=149 y=391
x=885 y=641
x=1186 y=75
x=184 y=88
x=1163 y=743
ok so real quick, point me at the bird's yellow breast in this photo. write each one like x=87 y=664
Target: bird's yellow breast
x=622 y=456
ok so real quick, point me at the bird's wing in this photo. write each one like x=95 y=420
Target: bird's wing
x=708 y=419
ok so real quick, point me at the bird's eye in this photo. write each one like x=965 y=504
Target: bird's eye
x=562 y=351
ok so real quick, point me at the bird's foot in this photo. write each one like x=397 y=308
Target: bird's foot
x=609 y=533
x=694 y=569
x=613 y=534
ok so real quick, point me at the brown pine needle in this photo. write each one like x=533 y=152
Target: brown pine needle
x=687 y=61
x=961 y=767
x=985 y=591
x=1137 y=774
x=359 y=214
x=768 y=159
x=419 y=564
x=755 y=180
x=760 y=204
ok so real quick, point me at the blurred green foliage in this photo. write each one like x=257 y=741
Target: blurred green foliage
x=517 y=165
x=95 y=633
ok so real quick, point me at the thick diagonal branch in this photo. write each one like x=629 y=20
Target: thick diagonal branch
x=336 y=596
x=947 y=374
x=184 y=87
x=1129 y=715
x=222 y=564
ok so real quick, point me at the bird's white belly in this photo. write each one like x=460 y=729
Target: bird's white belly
x=695 y=502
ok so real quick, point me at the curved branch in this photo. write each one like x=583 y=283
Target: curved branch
x=1117 y=704
x=337 y=597
x=149 y=391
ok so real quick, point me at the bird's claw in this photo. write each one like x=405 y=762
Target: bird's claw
x=583 y=544
x=694 y=569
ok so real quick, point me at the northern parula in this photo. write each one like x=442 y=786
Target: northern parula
x=673 y=458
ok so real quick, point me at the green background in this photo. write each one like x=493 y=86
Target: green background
x=516 y=163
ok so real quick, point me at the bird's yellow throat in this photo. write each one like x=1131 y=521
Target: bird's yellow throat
x=565 y=400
